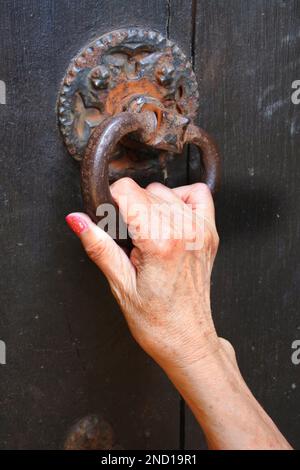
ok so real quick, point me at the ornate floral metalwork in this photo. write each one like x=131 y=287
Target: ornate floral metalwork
x=105 y=76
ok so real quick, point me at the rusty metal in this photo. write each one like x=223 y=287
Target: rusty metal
x=209 y=154
x=103 y=142
x=90 y=433
x=100 y=149
x=126 y=108
x=106 y=75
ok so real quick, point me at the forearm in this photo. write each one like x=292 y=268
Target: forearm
x=228 y=413
x=159 y=288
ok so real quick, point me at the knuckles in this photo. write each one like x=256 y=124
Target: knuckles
x=164 y=248
x=167 y=249
x=154 y=186
x=202 y=190
x=124 y=185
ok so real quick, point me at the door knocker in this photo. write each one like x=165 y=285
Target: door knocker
x=126 y=108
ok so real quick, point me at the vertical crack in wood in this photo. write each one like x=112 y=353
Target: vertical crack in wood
x=193 y=31
x=168 y=5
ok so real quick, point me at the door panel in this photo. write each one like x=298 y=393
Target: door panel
x=246 y=58
x=69 y=352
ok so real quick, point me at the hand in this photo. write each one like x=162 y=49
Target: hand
x=163 y=288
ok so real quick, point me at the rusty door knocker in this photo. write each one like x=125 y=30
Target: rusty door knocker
x=126 y=107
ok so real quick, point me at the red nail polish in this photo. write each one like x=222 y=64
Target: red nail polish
x=76 y=223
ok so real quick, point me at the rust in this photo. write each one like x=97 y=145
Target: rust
x=209 y=153
x=102 y=146
x=126 y=107
x=90 y=433
x=103 y=78
x=118 y=98
x=100 y=149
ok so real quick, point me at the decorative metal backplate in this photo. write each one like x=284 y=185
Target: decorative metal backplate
x=114 y=69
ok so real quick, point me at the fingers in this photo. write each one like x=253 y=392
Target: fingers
x=163 y=193
x=198 y=195
x=128 y=194
x=137 y=206
x=103 y=250
x=144 y=210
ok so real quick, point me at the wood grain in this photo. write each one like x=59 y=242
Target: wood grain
x=69 y=352
x=246 y=58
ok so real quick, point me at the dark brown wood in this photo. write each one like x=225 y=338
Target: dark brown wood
x=246 y=57
x=179 y=28
x=69 y=352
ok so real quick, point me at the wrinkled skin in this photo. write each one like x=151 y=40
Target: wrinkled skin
x=163 y=289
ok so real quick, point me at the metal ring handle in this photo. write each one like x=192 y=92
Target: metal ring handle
x=101 y=147
x=209 y=155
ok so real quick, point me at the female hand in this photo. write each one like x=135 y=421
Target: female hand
x=163 y=288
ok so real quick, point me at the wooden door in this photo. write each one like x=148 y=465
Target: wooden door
x=246 y=60
x=69 y=353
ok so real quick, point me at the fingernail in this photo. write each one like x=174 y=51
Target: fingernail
x=77 y=223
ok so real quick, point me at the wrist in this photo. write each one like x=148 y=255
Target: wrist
x=200 y=356
x=212 y=378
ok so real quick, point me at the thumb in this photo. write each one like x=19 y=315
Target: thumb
x=103 y=250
